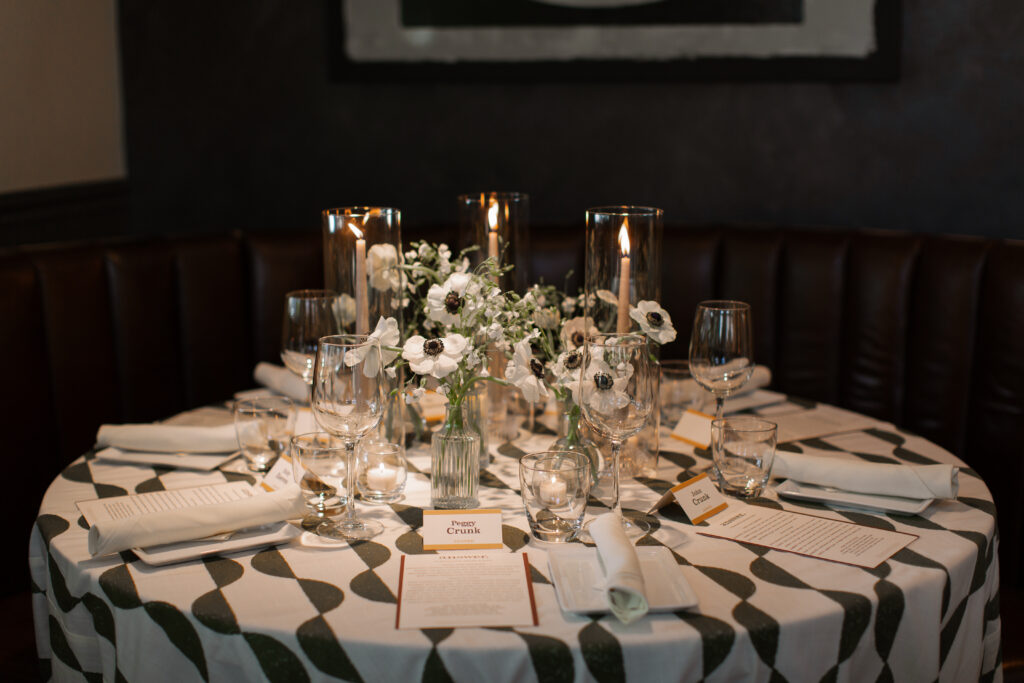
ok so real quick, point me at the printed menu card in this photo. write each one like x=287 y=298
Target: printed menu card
x=465 y=589
x=795 y=532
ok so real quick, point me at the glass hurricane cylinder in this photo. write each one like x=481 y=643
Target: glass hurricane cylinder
x=362 y=259
x=454 y=463
x=499 y=223
x=622 y=268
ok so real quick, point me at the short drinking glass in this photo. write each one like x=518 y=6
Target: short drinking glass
x=743 y=449
x=318 y=466
x=264 y=427
x=554 y=486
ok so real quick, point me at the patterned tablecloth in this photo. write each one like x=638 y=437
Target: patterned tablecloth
x=302 y=612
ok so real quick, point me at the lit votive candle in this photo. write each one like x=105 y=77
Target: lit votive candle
x=552 y=491
x=382 y=477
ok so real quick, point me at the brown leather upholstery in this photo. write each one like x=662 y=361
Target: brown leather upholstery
x=927 y=332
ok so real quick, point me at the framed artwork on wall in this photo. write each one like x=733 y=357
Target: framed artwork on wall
x=614 y=40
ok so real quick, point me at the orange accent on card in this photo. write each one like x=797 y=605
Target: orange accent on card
x=710 y=513
x=490 y=511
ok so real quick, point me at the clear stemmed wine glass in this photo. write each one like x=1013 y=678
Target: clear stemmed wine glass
x=617 y=396
x=721 y=349
x=348 y=402
x=308 y=315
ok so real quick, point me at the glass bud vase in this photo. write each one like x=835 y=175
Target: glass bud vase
x=454 y=462
x=572 y=435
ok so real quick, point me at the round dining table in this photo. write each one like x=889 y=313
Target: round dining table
x=313 y=609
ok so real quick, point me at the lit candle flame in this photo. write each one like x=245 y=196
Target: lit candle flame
x=358 y=233
x=624 y=237
x=492 y=215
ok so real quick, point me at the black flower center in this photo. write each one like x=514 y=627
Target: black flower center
x=537 y=368
x=433 y=347
x=576 y=338
x=603 y=381
x=573 y=360
x=655 y=319
x=452 y=302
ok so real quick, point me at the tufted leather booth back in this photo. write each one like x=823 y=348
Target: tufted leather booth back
x=926 y=332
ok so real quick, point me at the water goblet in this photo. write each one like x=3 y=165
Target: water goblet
x=348 y=402
x=318 y=466
x=308 y=315
x=721 y=350
x=617 y=388
x=264 y=427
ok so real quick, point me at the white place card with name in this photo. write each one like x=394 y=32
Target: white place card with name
x=698 y=497
x=280 y=475
x=796 y=532
x=462 y=529
x=694 y=427
x=474 y=589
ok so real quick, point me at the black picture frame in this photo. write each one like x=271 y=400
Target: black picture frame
x=880 y=65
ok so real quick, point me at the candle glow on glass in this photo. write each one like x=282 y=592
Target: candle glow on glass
x=382 y=477
x=553 y=491
x=362 y=304
x=622 y=323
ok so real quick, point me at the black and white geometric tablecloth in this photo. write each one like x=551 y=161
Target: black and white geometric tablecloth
x=303 y=612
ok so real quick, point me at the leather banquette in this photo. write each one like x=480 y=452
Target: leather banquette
x=923 y=331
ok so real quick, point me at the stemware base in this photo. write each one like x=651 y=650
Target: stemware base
x=359 y=530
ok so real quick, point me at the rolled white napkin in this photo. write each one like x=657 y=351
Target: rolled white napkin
x=161 y=438
x=624 y=581
x=906 y=481
x=157 y=528
x=282 y=380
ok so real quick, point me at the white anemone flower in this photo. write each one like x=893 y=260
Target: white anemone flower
x=444 y=302
x=654 y=320
x=381 y=267
x=437 y=357
x=547 y=318
x=605 y=386
x=575 y=331
x=527 y=372
x=386 y=334
x=345 y=309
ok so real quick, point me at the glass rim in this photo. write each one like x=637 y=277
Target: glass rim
x=582 y=462
x=631 y=339
x=625 y=210
x=753 y=424
x=724 y=305
x=474 y=197
x=252 y=401
x=361 y=211
x=298 y=439
x=311 y=294
x=348 y=340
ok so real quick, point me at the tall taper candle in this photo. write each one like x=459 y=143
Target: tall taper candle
x=362 y=304
x=622 y=323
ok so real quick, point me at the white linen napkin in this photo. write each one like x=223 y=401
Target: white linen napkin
x=624 y=582
x=282 y=380
x=157 y=528
x=162 y=438
x=905 y=481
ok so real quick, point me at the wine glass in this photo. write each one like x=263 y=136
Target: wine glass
x=308 y=315
x=617 y=397
x=348 y=402
x=721 y=349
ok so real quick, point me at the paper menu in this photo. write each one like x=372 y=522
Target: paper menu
x=819 y=537
x=474 y=589
x=123 y=507
x=822 y=420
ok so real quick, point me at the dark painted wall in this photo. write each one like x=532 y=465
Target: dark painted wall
x=233 y=121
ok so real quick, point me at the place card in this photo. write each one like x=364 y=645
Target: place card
x=694 y=427
x=462 y=529
x=697 y=496
x=278 y=476
x=803 y=534
x=474 y=589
